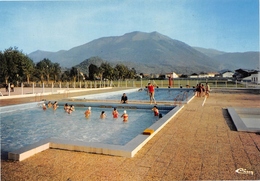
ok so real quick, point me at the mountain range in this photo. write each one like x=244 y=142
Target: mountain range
x=151 y=53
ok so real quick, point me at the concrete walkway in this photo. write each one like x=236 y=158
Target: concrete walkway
x=200 y=143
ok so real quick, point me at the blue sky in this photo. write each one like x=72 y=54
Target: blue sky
x=225 y=25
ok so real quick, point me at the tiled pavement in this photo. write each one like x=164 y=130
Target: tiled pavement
x=199 y=143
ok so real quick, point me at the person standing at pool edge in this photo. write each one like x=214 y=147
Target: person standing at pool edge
x=150 y=90
x=125 y=116
x=207 y=90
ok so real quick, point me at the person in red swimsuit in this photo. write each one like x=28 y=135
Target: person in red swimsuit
x=115 y=113
x=124 y=116
x=150 y=89
x=88 y=112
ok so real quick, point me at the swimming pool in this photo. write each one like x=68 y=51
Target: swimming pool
x=36 y=124
x=161 y=95
x=27 y=124
x=245 y=119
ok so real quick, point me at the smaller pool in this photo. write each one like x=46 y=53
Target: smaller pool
x=161 y=95
x=245 y=119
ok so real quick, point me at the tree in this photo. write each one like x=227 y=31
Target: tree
x=46 y=69
x=122 y=70
x=27 y=67
x=4 y=72
x=15 y=65
x=74 y=73
x=131 y=73
x=93 y=71
x=107 y=71
x=65 y=76
x=56 y=71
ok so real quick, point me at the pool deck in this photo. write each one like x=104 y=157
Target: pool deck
x=199 y=143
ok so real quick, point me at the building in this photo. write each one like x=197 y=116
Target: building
x=194 y=76
x=255 y=78
x=212 y=74
x=167 y=75
x=227 y=74
x=240 y=74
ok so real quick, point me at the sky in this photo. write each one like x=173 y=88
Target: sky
x=224 y=25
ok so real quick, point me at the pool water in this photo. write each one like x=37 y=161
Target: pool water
x=161 y=94
x=24 y=127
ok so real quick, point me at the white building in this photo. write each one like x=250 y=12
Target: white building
x=255 y=78
x=227 y=74
x=194 y=76
x=203 y=75
x=212 y=74
x=167 y=75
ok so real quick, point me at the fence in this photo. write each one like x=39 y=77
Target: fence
x=65 y=88
x=176 y=83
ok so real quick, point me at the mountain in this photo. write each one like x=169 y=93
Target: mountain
x=209 y=52
x=246 y=60
x=146 y=52
x=233 y=61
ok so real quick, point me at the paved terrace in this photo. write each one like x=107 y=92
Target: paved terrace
x=199 y=143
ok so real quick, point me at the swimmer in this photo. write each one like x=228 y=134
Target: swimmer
x=70 y=110
x=49 y=104
x=115 y=113
x=88 y=112
x=72 y=107
x=102 y=115
x=44 y=107
x=155 y=110
x=66 y=107
x=125 y=116
x=55 y=105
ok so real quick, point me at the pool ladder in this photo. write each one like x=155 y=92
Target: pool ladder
x=180 y=97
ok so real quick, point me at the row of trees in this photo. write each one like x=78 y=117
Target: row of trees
x=106 y=71
x=18 y=67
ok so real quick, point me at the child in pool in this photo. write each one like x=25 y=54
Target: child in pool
x=102 y=115
x=66 y=107
x=155 y=110
x=44 y=107
x=49 y=104
x=125 y=116
x=70 y=110
x=88 y=112
x=115 y=113
x=55 y=105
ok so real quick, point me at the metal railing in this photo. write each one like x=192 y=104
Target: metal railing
x=65 y=87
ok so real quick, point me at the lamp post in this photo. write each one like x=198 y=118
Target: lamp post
x=17 y=75
x=47 y=74
x=141 y=81
x=78 y=74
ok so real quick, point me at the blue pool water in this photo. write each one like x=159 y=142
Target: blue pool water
x=161 y=94
x=21 y=126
